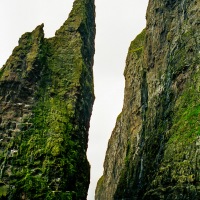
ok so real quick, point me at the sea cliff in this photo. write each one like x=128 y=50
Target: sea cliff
x=154 y=149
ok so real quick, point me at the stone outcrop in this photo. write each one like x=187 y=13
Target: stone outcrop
x=46 y=99
x=154 y=150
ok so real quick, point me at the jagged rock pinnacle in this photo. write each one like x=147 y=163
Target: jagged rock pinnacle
x=46 y=98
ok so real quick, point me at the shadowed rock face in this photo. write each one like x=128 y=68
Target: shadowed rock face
x=46 y=98
x=154 y=150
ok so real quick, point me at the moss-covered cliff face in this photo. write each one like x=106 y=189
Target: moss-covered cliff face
x=46 y=98
x=154 y=150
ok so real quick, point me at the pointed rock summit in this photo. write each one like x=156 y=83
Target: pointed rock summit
x=46 y=99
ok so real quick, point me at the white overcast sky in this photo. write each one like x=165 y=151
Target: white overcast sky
x=118 y=22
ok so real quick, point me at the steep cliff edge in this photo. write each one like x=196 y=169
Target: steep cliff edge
x=154 y=150
x=46 y=98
